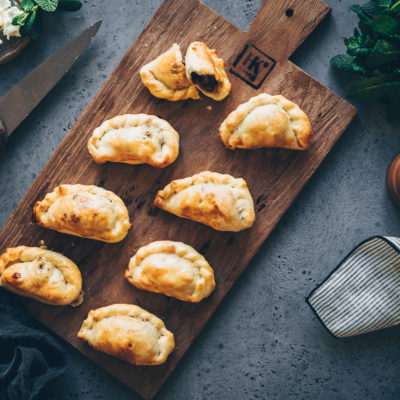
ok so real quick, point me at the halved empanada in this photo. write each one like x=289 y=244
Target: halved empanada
x=86 y=211
x=266 y=121
x=217 y=200
x=165 y=77
x=172 y=268
x=207 y=71
x=128 y=332
x=135 y=139
x=42 y=275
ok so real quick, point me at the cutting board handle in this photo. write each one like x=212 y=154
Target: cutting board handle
x=285 y=23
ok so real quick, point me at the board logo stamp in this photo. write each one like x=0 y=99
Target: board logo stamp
x=252 y=66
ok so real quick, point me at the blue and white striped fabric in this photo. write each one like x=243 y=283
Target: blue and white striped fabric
x=362 y=294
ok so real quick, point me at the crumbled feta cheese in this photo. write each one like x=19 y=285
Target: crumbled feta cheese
x=4 y=4
x=7 y=14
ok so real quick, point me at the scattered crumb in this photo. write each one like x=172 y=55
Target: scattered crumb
x=42 y=245
x=209 y=108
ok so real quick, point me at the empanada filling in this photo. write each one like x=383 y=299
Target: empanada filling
x=207 y=82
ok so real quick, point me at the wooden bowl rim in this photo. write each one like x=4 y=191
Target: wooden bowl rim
x=13 y=53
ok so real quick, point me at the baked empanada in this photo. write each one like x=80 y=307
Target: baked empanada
x=42 y=275
x=172 y=268
x=135 y=139
x=165 y=77
x=207 y=71
x=220 y=201
x=128 y=332
x=266 y=121
x=84 y=210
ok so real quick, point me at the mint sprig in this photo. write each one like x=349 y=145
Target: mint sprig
x=30 y=20
x=373 y=53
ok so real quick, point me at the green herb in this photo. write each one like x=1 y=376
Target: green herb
x=30 y=20
x=373 y=53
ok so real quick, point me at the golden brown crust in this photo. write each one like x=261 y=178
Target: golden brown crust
x=135 y=139
x=220 y=201
x=42 y=275
x=84 y=210
x=165 y=77
x=172 y=268
x=207 y=71
x=128 y=332
x=266 y=121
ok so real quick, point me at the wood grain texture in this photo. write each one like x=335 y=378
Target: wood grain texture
x=274 y=176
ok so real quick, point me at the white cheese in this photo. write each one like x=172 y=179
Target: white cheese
x=4 y=4
x=7 y=14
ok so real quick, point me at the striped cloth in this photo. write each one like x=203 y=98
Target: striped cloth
x=362 y=294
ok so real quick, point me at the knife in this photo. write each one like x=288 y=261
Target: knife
x=20 y=100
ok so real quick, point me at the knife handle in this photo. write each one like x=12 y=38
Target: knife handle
x=3 y=135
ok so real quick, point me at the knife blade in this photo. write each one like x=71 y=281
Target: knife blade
x=21 y=99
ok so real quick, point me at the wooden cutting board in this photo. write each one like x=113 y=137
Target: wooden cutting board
x=257 y=61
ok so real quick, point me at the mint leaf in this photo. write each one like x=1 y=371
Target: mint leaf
x=360 y=12
x=32 y=25
x=47 y=5
x=27 y=5
x=20 y=19
x=395 y=7
x=366 y=29
x=384 y=24
x=346 y=63
x=342 y=61
x=69 y=5
x=370 y=88
x=372 y=9
x=383 y=53
x=374 y=52
x=384 y=3
x=356 y=45
x=354 y=42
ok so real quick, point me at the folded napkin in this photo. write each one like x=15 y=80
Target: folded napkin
x=362 y=294
x=30 y=357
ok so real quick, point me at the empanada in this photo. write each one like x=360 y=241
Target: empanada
x=42 y=275
x=128 y=332
x=207 y=71
x=135 y=139
x=87 y=211
x=172 y=268
x=165 y=77
x=266 y=121
x=217 y=200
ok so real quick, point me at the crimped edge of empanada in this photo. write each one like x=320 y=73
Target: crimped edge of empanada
x=40 y=208
x=160 y=89
x=170 y=138
x=301 y=127
x=237 y=184
x=68 y=268
x=130 y=310
x=218 y=70
x=205 y=282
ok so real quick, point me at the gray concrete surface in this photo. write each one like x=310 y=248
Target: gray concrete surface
x=263 y=342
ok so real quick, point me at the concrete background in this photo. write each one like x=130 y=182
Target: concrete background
x=264 y=341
